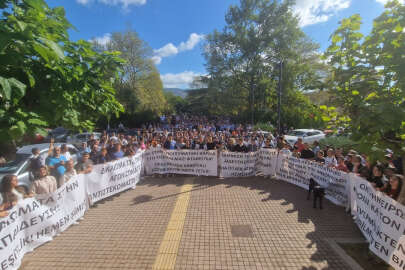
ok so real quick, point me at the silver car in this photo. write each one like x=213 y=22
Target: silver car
x=21 y=164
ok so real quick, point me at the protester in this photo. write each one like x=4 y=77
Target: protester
x=9 y=195
x=341 y=164
x=307 y=152
x=376 y=176
x=330 y=159
x=70 y=171
x=320 y=157
x=116 y=153
x=394 y=187
x=85 y=165
x=35 y=163
x=64 y=151
x=56 y=164
x=44 y=184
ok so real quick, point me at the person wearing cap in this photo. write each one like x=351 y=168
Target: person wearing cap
x=85 y=165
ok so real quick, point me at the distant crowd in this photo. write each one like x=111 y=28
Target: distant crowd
x=190 y=132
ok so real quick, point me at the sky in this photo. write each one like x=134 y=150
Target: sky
x=175 y=29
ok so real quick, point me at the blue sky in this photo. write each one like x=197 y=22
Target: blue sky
x=175 y=28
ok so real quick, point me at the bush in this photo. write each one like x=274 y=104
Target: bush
x=344 y=142
x=264 y=127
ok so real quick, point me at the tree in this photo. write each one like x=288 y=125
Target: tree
x=243 y=61
x=368 y=80
x=46 y=79
x=140 y=88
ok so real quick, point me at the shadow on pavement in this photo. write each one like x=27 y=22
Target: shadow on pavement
x=331 y=222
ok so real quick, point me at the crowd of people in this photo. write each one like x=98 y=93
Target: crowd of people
x=191 y=132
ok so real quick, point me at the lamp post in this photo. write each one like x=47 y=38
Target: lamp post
x=279 y=97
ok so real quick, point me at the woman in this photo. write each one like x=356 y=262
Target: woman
x=394 y=186
x=376 y=176
x=10 y=196
x=44 y=184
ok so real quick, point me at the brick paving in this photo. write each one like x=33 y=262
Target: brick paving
x=244 y=223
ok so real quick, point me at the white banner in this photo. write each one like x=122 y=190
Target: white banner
x=298 y=171
x=35 y=221
x=335 y=182
x=191 y=162
x=238 y=164
x=293 y=170
x=267 y=161
x=114 y=177
x=381 y=220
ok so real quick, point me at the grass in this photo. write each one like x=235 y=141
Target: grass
x=364 y=257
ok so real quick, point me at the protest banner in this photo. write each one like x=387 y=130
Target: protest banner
x=381 y=220
x=335 y=182
x=238 y=164
x=267 y=161
x=190 y=162
x=34 y=221
x=293 y=170
x=108 y=179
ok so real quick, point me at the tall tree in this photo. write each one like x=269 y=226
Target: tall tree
x=46 y=79
x=140 y=88
x=368 y=80
x=243 y=59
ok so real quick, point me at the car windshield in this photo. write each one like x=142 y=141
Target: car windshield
x=12 y=166
x=297 y=133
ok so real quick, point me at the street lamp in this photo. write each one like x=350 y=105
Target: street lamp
x=279 y=97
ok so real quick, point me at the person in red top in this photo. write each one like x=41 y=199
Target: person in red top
x=299 y=145
x=341 y=165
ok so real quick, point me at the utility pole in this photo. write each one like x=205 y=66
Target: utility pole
x=253 y=105
x=280 y=77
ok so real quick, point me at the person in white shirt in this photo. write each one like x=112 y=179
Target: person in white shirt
x=70 y=171
x=330 y=160
x=285 y=150
x=64 y=151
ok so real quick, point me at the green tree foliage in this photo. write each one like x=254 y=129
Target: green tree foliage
x=243 y=64
x=140 y=88
x=368 y=80
x=175 y=104
x=46 y=79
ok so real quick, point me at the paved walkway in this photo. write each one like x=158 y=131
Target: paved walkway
x=201 y=223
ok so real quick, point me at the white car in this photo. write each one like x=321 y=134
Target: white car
x=78 y=139
x=20 y=165
x=307 y=135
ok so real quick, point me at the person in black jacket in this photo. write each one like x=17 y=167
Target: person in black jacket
x=240 y=147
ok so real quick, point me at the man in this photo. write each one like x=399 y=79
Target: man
x=85 y=165
x=240 y=147
x=307 y=152
x=44 y=184
x=36 y=163
x=169 y=144
x=117 y=153
x=56 y=164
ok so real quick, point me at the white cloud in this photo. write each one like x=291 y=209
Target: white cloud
x=124 y=3
x=316 y=11
x=170 y=49
x=103 y=40
x=192 y=41
x=167 y=50
x=179 y=80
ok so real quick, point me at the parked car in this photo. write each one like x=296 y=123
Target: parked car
x=20 y=165
x=78 y=139
x=307 y=135
x=59 y=134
